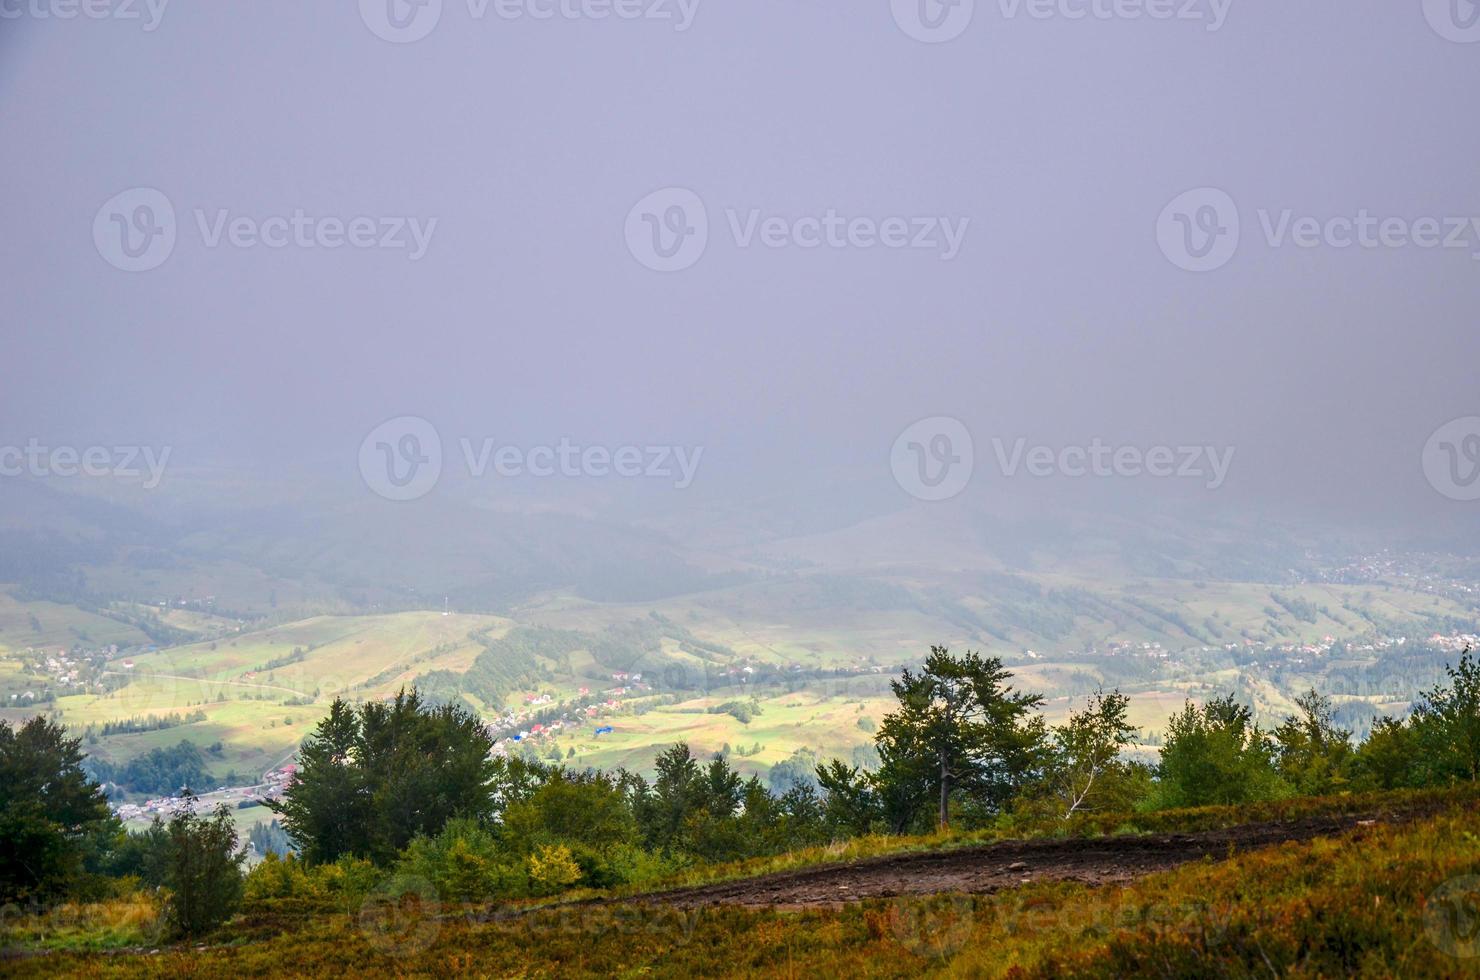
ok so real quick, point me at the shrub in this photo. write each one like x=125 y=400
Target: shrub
x=205 y=872
x=347 y=878
x=276 y=877
x=463 y=863
x=553 y=868
x=1216 y=755
x=589 y=811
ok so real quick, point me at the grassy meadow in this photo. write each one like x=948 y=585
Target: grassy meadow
x=1386 y=900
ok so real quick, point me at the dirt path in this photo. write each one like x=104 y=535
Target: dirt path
x=989 y=868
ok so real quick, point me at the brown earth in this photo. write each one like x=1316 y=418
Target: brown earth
x=992 y=867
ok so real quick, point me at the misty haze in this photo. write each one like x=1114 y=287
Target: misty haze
x=575 y=487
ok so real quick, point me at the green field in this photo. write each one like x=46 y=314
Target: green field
x=39 y=624
x=260 y=716
x=262 y=687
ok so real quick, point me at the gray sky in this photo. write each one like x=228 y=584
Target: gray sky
x=529 y=318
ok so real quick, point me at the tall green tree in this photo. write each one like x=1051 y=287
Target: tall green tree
x=960 y=733
x=850 y=805
x=204 y=871
x=1313 y=754
x=1215 y=754
x=372 y=779
x=586 y=810
x=1389 y=758
x=1447 y=723
x=48 y=810
x=1086 y=771
x=676 y=791
x=326 y=809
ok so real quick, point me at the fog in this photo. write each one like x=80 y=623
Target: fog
x=979 y=229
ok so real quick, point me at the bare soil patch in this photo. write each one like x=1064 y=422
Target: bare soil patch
x=1005 y=864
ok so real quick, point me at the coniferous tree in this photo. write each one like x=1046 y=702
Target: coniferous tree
x=370 y=780
x=960 y=734
x=48 y=808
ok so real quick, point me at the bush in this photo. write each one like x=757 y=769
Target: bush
x=589 y=811
x=205 y=872
x=144 y=856
x=1216 y=755
x=553 y=868
x=348 y=879
x=463 y=863
x=276 y=877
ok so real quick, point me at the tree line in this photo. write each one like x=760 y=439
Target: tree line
x=409 y=787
